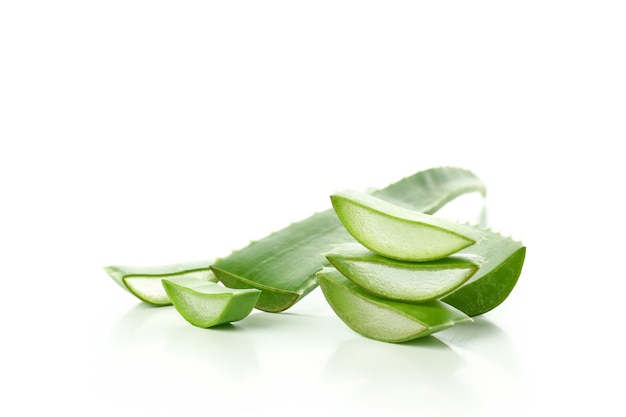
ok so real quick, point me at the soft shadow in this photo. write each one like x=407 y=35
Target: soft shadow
x=226 y=327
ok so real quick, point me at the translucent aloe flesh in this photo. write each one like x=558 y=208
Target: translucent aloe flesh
x=144 y=282
x=283 y=265
x=494 y=280
x=397 y=232
x=413 y=282
x=207 y=304
x=382 y=319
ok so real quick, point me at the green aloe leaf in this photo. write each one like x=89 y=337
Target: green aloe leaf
x=207 y=304
x=144 y=282
x=495 y=278
x=283 y=265
x=397 y=232
x=382 y=319
x=413 y=282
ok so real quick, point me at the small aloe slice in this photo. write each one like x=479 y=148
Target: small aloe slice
x=144 y=282
x=413 y=282
x=399 y=233
x=207 y=304
x=382 y=319
x=283 y=264
x=495 y=278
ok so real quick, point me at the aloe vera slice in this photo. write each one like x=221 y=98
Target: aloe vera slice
x=382 y=319
x=413 y=282
x=495 y=278
x=207 y=304
x=399 y=233
x=144 y=282
x=283 y=265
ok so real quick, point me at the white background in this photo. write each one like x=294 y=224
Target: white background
x=152 y=132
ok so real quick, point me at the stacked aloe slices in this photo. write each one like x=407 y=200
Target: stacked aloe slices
x=411 y=275
x=274 y=273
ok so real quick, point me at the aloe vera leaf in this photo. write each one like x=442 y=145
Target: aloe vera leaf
x=207 y=304
x=144 y=282
x=412 y=282
x=429 y=190
x=382 y=319
x=495 y=278
x=283 y=264
x=397 y=232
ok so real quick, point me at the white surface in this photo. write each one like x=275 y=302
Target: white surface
x=155 y=132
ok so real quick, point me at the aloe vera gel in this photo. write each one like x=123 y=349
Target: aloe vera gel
x=383 y=319
x=399 y=233
x=208 y=304
x=144 y=282
x=399 y=280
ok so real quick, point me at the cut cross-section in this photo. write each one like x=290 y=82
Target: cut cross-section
x=382 y=319
x=207 y=304
x=399 y=233
x=413 y=282
x=144 y=282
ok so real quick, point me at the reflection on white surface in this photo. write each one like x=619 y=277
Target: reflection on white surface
x=221 y=346
x=423 y=374
x=428 y=374
x=311 y=359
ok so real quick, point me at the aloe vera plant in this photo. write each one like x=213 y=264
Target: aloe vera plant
x=284 y=264
x=207 y=304
x=413 y=282
x=397 y=232
x=383 y=319
x=144 y=282
x=411 y=275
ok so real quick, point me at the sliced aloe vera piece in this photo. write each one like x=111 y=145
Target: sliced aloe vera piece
x=397 y=232
x=283 y=264
x=144 y=282
x=413 y=282
x=382 y=319
x=495 y=278
x=207 y=304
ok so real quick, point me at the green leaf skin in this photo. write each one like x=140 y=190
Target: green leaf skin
x=207 y=304
x=411 y=282
x=144 y=282
x=495 y=278
x=283 y=265
x=399 y=233
x=381 y=319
